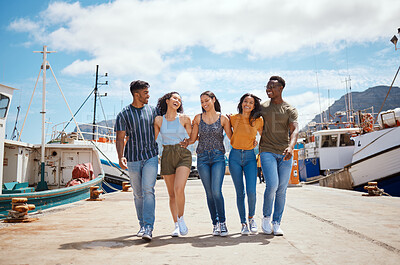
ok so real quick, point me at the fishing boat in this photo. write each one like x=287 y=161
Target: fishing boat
x=351 y=157
x=103 y=140
x=101 y=137
x=40 y=172
x=376 y=155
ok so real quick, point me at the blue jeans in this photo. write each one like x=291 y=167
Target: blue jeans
x=276 y=173
x=211 y=167
x=244 y=161
x=143 y=175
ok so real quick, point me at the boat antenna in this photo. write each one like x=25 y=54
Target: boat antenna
x=15 y=132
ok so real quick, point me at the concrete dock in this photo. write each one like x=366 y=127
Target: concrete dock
x=321 y=226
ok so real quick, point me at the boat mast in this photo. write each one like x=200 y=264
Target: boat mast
x=42 y=185
x=95 y=102
x=95 y=98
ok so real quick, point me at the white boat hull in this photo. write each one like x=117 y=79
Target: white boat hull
x=374 y=168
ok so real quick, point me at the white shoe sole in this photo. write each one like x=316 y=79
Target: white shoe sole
x=224 y=234
x=267 y=232
x=146 y=237
x=185 y=233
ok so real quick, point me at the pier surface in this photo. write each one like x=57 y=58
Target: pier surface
x=321 y=226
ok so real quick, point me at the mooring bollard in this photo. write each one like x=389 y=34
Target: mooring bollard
x=373 y=189
x=126 y=186
x=95 y=194
x=19 y=211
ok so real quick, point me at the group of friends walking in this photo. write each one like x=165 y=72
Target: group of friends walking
x=139 y=125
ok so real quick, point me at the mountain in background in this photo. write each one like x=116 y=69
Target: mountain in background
x=372 y=97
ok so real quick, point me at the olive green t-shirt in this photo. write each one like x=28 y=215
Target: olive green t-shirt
x=277 y=117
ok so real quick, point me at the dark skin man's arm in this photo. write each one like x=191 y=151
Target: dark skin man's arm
x=294 y=134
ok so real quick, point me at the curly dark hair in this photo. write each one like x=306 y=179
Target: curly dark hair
x=210 y=94
x=162 y=103
x=256 y=112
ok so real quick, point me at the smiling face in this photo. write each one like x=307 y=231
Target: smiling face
x=248 y=104
x=207 y=103
x=174 y=101
x=143 y=95
x=274 y=89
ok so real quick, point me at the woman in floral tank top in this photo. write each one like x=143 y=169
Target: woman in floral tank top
x=208 y=128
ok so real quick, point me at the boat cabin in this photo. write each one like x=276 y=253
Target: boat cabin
x=335 y=147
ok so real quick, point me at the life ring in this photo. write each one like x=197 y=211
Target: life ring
x=367 y=122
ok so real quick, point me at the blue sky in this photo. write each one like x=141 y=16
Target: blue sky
x=229 y=47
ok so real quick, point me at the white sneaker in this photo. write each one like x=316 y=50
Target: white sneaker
x=140 y=232
x=253 y=226
x=182 y=226
x=266 y=225
x=223 y=229
x=148 y=234
x=245 y=230
x=277 y=229
x=175 y=233
x=216 y=230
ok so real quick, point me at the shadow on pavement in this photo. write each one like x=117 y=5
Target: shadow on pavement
x=199 y=241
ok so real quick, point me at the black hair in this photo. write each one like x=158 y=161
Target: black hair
x=279 y=79
x=138 y=85
x=162 y=103
x=210 y=94
x=256 y=112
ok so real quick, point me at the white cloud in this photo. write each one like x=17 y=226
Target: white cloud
x=157 y=41
x=24 y=25
x=137 y=36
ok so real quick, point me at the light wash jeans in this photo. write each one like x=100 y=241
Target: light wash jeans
x=244 y=161
x=143 y=175
x=276 y=173
x=211 y=167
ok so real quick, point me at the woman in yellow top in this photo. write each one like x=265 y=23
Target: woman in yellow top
x=242 y=159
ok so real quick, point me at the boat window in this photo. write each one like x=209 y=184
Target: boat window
x=345 y=140
x=4 y=101
x=329 y=140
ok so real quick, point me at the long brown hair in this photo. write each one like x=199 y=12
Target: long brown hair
x=210 y=94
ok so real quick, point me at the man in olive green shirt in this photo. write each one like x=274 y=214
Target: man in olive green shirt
x=277 y=142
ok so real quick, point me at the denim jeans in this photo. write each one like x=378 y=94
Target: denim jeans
x=143 y=175
x=211 y=167
x=244 y=161
x=276 y=173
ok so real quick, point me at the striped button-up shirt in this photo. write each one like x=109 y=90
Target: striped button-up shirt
x=138 y=124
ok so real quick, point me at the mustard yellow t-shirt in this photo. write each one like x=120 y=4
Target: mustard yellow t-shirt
x=243 y=133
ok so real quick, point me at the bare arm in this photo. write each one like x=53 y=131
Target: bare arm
x=294 y=133
x=120 y=144
x=194 y=132
x=260 y=129
x=157 y=126
x=226 y=124
x=186 y=123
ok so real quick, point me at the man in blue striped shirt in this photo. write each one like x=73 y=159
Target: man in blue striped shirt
x=140 y=153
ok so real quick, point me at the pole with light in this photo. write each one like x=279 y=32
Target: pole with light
x=395 y=39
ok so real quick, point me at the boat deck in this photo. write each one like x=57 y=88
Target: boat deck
x=321 y=225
